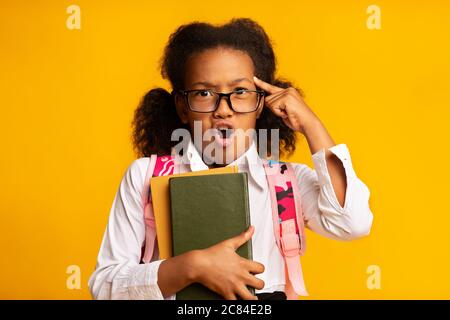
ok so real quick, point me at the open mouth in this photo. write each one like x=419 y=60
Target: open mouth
x=224 y=133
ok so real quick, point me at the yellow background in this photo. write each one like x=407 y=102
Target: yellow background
x=67 y=99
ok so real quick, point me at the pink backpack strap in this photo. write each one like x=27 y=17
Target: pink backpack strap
x=158 y=166
x=287 y=223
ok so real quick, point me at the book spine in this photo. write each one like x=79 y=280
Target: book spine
x=248 y=222
x=247 y=216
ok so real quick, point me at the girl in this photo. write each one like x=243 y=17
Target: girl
x=201 y=61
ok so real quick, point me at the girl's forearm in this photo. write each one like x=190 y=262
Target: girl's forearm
x=177 y=273
x=318 y=137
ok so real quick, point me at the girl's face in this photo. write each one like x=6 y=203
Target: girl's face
x=220 y=70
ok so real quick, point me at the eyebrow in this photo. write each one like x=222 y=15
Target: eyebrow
x=209 y=84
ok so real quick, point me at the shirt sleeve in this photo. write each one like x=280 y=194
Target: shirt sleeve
x=118 y=273
x=322 y=211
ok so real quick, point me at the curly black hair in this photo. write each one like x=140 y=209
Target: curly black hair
x=156 y=116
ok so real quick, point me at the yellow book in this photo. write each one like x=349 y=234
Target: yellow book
x=161 y=206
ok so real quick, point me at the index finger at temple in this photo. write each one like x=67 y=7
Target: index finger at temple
x=266 y=86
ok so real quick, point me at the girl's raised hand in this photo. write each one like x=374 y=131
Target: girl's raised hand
x=287 y=104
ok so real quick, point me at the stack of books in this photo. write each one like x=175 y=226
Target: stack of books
x=197 y=210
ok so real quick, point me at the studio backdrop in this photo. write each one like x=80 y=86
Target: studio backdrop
x=375 y=72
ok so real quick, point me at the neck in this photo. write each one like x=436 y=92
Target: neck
x=215 y=165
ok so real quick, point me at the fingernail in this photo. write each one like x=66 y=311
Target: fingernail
x=255 y=78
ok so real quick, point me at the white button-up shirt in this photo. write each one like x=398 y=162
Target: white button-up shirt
x=119 y=274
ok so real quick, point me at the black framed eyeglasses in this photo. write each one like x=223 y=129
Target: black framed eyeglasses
x=206 y=100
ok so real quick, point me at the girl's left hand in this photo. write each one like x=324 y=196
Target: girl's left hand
x=287 y=104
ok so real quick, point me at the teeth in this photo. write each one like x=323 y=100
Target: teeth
x=225 y=132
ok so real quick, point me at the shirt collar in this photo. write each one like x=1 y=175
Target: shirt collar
x=249 y=161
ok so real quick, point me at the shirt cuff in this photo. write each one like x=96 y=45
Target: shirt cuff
x=319 y=159
x=143 y=284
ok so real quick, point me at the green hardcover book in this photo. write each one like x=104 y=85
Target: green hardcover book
x=206 y=210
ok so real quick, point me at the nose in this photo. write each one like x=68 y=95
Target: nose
x=223 y=109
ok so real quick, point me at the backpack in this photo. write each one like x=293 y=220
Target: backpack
x=286 y=214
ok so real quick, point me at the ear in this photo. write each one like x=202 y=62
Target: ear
x=182 y=109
